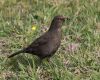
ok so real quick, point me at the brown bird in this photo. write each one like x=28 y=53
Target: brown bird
x=46 y=45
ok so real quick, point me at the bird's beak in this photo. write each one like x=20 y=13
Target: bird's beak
x=66 y=18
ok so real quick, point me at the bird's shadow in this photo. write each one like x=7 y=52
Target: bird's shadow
x=20 y=61
x=23 y=62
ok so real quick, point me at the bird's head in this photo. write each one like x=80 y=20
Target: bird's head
x=57 y=21
x=60 y=18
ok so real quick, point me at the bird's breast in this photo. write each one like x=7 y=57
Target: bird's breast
x=53 y=43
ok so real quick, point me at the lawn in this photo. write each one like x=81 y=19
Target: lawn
x=78 y=57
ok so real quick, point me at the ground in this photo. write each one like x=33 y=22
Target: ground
x=78 y=57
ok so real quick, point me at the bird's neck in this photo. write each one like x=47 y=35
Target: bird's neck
x=55 y=25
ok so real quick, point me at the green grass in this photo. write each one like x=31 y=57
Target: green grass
x=82 y=31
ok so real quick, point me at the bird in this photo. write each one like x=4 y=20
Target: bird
x=47 y=44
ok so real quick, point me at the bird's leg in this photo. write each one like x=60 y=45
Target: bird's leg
x=48 y=59
x=40 y=60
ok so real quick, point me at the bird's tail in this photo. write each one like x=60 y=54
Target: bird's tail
x=14 y=54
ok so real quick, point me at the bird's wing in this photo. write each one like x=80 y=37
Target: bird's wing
x=40 y=41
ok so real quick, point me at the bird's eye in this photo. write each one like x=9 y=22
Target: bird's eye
x=59 y=18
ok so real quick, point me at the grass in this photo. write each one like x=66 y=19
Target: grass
x=78 y=57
